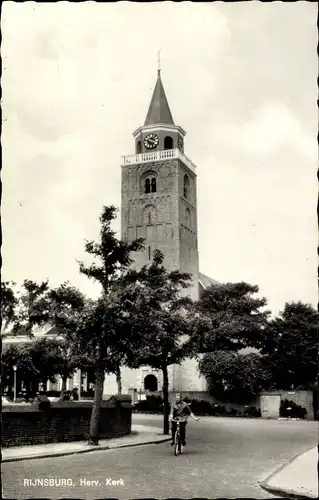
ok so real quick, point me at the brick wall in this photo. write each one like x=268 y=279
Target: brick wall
x=63 y=422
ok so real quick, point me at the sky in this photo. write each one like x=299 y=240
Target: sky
x=240 y=78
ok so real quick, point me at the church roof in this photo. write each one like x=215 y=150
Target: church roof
x=206 y=281
x=158 y=111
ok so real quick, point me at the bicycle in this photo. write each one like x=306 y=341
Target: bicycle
x=178 y=447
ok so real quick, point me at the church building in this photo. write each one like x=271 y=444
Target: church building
x=159 y=204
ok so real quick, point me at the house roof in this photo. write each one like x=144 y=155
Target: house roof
x=22 y=338
x=206 y=281
x=158 y=111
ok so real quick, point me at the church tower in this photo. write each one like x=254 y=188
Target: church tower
x=159 y=192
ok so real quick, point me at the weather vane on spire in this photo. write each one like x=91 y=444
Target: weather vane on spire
x=159 y=61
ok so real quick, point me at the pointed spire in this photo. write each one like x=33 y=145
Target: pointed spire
x=158 y=111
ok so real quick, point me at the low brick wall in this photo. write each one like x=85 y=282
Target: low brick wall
x=64 y=422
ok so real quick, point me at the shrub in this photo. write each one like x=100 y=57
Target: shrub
x=67 y=396
x=233 y=412
x=219 y=410
x=206 y=407
x=200 y=407
x=196 y=407
x=151 y=403
x=291 y=409
x=251 y=412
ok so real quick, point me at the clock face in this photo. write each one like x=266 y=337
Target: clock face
x=151 y=141
x=180 y=143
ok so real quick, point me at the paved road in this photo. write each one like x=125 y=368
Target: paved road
x=224 y=458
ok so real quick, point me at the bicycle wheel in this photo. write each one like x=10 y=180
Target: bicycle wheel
x=177 y=445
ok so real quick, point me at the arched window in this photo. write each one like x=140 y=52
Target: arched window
x=138 y=147
x=168 y=142
x=149 y=215
x=149 y=182
x=186 y=186
x=147 y=185
x=153 y=185
x=150 y=383
x=150 y=185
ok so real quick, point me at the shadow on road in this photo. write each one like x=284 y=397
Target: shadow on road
x=191 y=452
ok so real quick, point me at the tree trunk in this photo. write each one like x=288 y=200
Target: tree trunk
x=118 y=379
x=165 y=397
x=96 y=410
x=63 y=388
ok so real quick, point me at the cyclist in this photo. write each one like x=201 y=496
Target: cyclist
x=181 y=410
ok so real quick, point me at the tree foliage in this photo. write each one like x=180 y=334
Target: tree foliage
x=233 y=376
x=289 y=345
x=43 y=359
x=111 y=257
x=96 y=330
x=26 y=306
x=155 y=314
x=237 y=316
x=58 y=356
x=158 y=321
x=9 y=303
x=60 y=307
x=111 y=254
x=19 y=356
x=287 y=357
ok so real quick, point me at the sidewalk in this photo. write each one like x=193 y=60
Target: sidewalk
x=141 y=435
x=299 y=478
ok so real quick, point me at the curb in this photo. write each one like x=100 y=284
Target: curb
x=88 y=450
x=286 y=493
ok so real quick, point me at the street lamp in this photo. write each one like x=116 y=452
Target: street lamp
x=15 y=383
x=80 y=383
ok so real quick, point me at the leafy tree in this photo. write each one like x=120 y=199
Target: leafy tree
x=19 y=356
x=60 y=307
x=9 y=303
x=43 y=360
x=54 y=356
x=237 y=317
x=289 y=345
x=97 y=326
x=158 y=322
x=26 y=306
x=233 y=376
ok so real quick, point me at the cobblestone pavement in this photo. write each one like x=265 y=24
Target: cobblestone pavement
x=224 y=457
